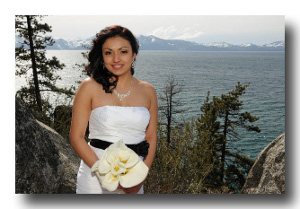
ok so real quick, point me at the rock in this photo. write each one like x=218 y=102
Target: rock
x=267 y=175
x=45 y=161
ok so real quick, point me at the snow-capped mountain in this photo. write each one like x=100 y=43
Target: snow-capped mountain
x=77 y=44
x=155 y=43
x=248 y=45
x=218 y=44
x=275 y=44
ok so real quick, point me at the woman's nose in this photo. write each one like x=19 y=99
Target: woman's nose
x=116 y=57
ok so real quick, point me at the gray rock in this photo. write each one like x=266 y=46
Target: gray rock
x=45 y=161
x=267 y=175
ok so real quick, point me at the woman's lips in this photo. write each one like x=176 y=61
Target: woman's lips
x=117 y=67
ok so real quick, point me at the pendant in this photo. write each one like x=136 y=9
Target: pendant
x=121 y=96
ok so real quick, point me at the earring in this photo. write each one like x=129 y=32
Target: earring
x=103 y=65
x=133 y=64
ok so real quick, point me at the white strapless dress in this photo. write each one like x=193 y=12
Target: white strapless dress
x=111 y=123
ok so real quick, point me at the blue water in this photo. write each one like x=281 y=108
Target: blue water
x=217 y=72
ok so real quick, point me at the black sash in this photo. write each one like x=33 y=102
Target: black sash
x=141 y=149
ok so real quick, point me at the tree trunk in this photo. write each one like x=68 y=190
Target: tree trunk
x=169 y=116
x=34 y=68
x=224 y=147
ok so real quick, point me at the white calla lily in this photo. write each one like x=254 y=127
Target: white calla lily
x=112 y=156
x=103 y=166
x=124 y=155
x=135 y=175
x=110 y=182
x=120 y=165
x=117 y=168
x=132 y=160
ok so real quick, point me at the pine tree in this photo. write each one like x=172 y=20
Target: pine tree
x=208 y=142
x=217 y=125
x=230 y=111
x=30 y=56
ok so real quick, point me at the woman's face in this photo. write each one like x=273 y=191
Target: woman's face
x=117 y=55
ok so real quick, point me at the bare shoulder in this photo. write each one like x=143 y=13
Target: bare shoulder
x=148 y=90
x=146 y=87
x=88 y=82
x=88 y=85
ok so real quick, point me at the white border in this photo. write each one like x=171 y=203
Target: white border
x=135 y=7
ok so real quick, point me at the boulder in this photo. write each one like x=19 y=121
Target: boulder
x=267 y=175
x=45 y=161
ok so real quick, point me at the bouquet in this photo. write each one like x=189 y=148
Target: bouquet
x=120 y=165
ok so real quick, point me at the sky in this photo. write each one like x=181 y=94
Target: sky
x=234 y=29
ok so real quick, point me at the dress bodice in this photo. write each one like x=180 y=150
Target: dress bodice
x=112 y=123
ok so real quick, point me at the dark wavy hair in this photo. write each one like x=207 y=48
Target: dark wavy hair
x=96 y=68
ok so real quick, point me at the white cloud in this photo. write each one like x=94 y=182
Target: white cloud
x=202 y=29
x=190 y=32
x=165 y=32
x=176 y=32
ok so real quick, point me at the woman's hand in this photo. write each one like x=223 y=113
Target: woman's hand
x=131 y=190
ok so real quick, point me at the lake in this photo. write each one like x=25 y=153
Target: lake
x=200 y=72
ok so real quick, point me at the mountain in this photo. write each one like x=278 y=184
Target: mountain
x=155 y=43
x=277 y=44
x=76 y=44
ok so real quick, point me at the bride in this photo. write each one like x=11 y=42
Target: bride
x=115 y=104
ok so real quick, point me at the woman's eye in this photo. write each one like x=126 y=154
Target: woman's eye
x=107 y=53
x=124 y=52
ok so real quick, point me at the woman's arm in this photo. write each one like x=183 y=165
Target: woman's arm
x=151 y=132
x=151 y=137
x=82 y=108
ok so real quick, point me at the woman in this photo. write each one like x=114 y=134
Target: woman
x=116 y=105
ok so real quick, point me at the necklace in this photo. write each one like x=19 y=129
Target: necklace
x=122 y=96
